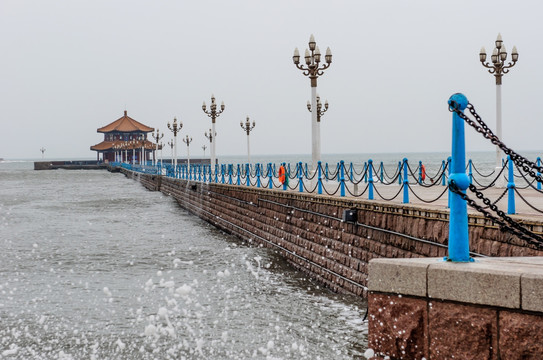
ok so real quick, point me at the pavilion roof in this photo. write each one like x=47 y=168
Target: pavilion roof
x=125 y=124
x=110 y=145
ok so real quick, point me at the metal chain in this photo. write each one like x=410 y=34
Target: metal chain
x=482 y=128
x=505 y=223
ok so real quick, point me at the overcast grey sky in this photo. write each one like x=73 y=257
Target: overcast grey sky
x=69 y=67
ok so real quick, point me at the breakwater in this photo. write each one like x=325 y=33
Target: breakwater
x=310 y=231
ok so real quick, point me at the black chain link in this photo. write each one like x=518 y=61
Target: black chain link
x=505 y=222
x=482 y=128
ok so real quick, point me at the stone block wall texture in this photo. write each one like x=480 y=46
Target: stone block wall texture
x=410 y=328
x=307 y=228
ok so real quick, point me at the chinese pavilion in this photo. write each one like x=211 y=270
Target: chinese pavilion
x=124 y=141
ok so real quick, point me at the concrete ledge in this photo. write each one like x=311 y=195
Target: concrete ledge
x=514 y=283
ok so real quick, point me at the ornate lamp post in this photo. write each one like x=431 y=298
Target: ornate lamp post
x=175 y=129
x=313 y=69
x=187 y=141
x=210 y=136
x=42 y=152
x=204 y=148
x=142 y=157
x=320 y=111
x=247 y=127
x=213 y=113
x=171 y=144
x=498 y=68
x=133 y=146
x=157 y=138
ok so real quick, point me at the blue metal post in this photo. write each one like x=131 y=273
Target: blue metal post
x=382 y=173
x=300 y=177
x=257 y=175
x=230 y=171
x=270 y=175
x=538 y=173
x=511 y=187
x=306 y=171
x=222 y=174
x=351 y=172
x=216 y=173
x=366 y=169
x=319 y=177
x=470 y=172
x=458 y=219
x=400 y=172
x=239 y=175
x=342 y=177
x=286 y=176
x=204 y=172
x=420 y=172
x=405 y=183
x=370 y=189
x=326 y=172
x=248 y=174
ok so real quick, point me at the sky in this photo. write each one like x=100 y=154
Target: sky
x=69 y=67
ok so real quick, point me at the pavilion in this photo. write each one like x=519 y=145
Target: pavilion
x=124 y=140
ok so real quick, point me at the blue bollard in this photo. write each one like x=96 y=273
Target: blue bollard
x=223 y=170
x=351 y=172
x=510 y=187
x=382 y=172
x=342 y=178
x=306 y=171
x=399 y=172
x=326 y=171
x=538 y=173
x=285 y=184
x=216 y=173
x=458 y=220
x=420 y=172
x=270 y=175
x=204 y=173
x=238 y=182
x=370 y=186
x=405 y=183
x=248 y=174
x=257 y=175
x=230 y=170
x=300 y=177
x=470 y=172
x=319 y=178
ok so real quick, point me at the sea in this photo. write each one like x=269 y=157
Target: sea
x=94 y=266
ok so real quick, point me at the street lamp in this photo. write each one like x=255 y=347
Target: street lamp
x=187 y=141
x=142 y=157
x=161 y=148
x=247 y=127
x=313 y=69
x=204 y=148
x=171 y=144
x=42 y=152
x=320 y=111
x=175 y=129
x=210 y=136
x=498 y=68
x=157 y=138
x=213 y=113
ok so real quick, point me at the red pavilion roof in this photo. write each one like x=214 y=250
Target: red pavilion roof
x=125 y=124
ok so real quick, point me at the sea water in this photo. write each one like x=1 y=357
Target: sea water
x=94 y=266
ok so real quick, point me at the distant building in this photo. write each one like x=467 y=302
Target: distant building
x=123 y=140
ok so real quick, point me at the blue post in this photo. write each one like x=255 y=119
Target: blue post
x=400 y=172
x=538 y=173
x=342 y=177
x=370 y=189
x=319 y=177
x=470 y=173
x=306 y=171
x=204 y=172
x=286 y=177
x=382 y=171
x=270 y=175
x=216 y=173
x=511 y=187
x=239 y=175
x=351 y=172
x=405 y=183
x=420 y=172
x=300 y=177
x=248 y=174
x=257 y=175
x=449 y=161
x=190 y=168
x=443 y=175
x=222 y=174
x=458 y=219
x=366 y=169
x=326 y=171
x=230 y=170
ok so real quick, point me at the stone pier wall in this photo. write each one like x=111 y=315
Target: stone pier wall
x=309 y=232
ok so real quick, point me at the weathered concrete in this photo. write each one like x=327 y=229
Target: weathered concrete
x=487 y=309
